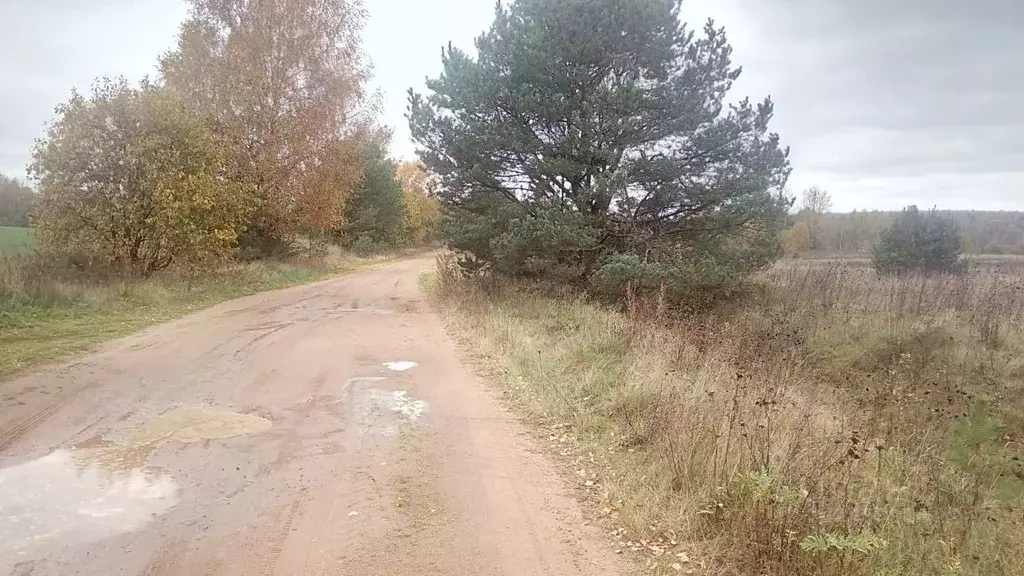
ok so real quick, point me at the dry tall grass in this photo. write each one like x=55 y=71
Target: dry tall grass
x=844 y=424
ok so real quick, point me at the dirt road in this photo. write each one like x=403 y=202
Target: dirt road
x=325 y=429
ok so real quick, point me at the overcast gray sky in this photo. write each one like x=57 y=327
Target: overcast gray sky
x=883 y=102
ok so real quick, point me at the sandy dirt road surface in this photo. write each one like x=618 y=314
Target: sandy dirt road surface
x=324 y=429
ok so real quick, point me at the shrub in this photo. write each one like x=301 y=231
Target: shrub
x=696 y=283
x=919 y=241
x=28 y=277
x=368 y=246
x=129 y=179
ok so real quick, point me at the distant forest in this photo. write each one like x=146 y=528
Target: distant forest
x=983 y=232
x=15 y=201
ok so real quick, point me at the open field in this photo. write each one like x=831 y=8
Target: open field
x=13 y=239
x=839 y=424
x=45 y=316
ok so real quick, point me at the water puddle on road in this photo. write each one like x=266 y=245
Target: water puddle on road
x=378 y=412
x=400 y=365
x=99 y=489
x=78 y=496
x=398 y=401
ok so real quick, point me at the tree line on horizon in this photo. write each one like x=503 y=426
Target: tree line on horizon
x=16 y=199
x=991 y=232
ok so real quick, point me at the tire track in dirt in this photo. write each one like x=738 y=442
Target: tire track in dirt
x=272 y=540
x=277 y=536
x=254 y=341
x=13 y=433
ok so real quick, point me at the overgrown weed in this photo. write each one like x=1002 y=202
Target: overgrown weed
x=842 y=424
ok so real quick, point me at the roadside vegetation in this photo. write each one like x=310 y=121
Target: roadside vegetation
x=615 y=227
x=253 y=160
x=839 y=423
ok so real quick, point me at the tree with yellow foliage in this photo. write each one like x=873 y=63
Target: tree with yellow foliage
x=128 y=178
x=282 y=83
x=422 y=211
x=797 y=239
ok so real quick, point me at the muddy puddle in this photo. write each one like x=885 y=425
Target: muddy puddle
x=376 y=412
x=78 y=496
x=99 y=488
x=371 y=404
x=400 y=365
x=187 y=426
x=397 y=401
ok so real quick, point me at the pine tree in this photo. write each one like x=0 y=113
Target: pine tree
x=919 y=242
x=375 y=213
x=590 y=139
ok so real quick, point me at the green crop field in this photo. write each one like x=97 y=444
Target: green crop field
x=13 y=239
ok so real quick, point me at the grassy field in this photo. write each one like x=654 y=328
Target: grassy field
x=842 y=424
x=44 y=318
x=14 y=239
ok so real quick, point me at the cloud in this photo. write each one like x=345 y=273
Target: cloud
x=52 y=46
x=889 y=103
x=883 y=102
x=404 y=40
